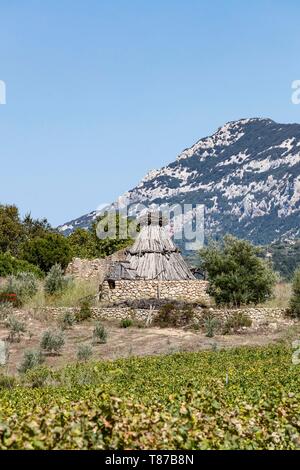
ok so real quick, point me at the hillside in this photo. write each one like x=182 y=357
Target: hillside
x=247 y=175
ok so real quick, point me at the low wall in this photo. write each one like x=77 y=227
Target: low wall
x=258 y=315
x=89 y=269
x=190 y=290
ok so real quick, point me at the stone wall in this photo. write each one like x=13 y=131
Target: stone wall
x=190 y=291
x=259 y=315
x=93 y=268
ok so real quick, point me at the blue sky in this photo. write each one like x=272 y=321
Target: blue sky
x=101 y=91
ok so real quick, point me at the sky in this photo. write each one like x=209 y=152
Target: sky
x=99 y=92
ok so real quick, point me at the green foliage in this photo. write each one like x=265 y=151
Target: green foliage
x=6 y=381
x=47 y=250
x=66 y=320
x=6 y=309
x=87 y=244
x=85 y=310
x=236 y=273
x=236 y=321
x=294 y=307
x=84 y=352
x=11 y=265
x=23 y=285
x=56 y=282
x=52 y=341
x=170 y=315
x=210 y=324
x=239 y=399
x=31 y=359
x=126 y=323
x=16 y=328
x=11 y=231
x=285 y=256
x=99 y=333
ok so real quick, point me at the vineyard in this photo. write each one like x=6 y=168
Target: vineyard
x=245 y=398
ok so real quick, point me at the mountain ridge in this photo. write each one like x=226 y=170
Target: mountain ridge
x=246 y=174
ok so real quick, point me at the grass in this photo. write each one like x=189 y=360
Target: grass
x=69 y=298
x=281 y=297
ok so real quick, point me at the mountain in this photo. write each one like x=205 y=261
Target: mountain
x=247 y=175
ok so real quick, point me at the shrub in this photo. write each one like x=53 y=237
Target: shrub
x=55 y=281
x=37 y=376
x=85 y=311
x=174 y=316
x=99 y=334
x=294 y=305
x=67 y=320
x=52 y=341
x=84 y=352
x=210 y=325
x=236 y=273
x=31 y=359
x=47 y=250
x=23 y=285
x=236 y=321
x=6 y=381
x=16 y=328
x=10 y=265
x=6 y=309
x=126 y=323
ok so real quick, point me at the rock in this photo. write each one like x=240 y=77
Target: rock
x=3 y=353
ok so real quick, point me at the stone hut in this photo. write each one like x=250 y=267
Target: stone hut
x=153 y=268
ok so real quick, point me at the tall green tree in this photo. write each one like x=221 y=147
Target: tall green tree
x=237 y=274
x=11 y=229
x=87 y=244
x=46 y=251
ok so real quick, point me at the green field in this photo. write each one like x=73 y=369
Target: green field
x=246 y=398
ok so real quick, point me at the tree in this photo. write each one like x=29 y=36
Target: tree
x=48 y=250
x=87 y=244
x=11 y=230
x=236 y=273
x=294 y=306
x=35 y=227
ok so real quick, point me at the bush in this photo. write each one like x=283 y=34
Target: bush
x=126 y=323
x=99 y=334
x=236 y=321
x=23 y=285
x=6 y=309
x=84 y=352
x=85 y=311
x=47 y=250
x=55 y=281
x=210 y=324
x=67 y=320
x=37 y=376
x=52 y=341
x=294 y=306
x=236 y=273
x=31 y=359
x=169 y=315
x=6 y=381
x=16 y=328
x=10 y=265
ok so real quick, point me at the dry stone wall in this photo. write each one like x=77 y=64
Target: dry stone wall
x=190 y=290
x=93 y=269
x=260 y=316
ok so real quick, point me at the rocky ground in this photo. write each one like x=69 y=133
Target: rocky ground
x=137 y=340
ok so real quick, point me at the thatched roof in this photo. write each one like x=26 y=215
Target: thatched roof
x=155 y=256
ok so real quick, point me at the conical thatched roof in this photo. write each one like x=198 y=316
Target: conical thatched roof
x=155 y=256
